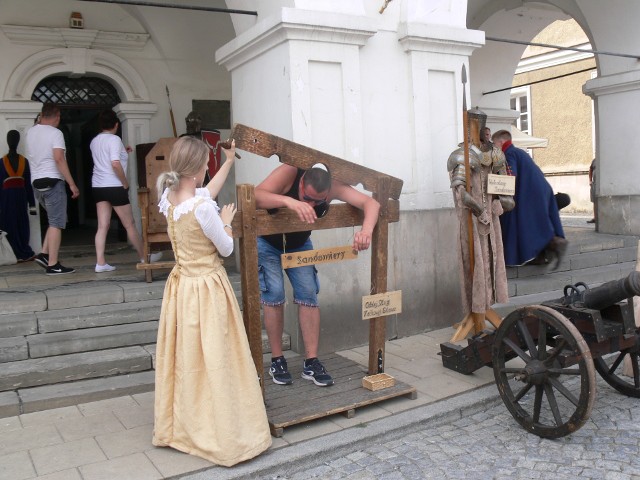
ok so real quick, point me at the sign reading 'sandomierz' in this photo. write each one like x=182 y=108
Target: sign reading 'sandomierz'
x=381 y=305
x=322 y=255
x=501 y=184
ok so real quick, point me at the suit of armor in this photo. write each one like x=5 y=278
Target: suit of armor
x=483 y=278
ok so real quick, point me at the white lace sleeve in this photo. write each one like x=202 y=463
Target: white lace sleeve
x=163 y=204
x=209 y=219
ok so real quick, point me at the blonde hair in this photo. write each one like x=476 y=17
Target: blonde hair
x=187 y=158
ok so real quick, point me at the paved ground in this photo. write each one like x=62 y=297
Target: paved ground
x=487 y=444
x=111 y=439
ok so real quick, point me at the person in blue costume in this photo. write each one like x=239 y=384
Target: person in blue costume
x=16 y=199
x=532 y=232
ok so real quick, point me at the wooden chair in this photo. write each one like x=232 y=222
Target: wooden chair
x=154 y=225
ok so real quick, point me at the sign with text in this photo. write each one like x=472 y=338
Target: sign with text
x=501 y=184
x=381 y=304
x=314 y=257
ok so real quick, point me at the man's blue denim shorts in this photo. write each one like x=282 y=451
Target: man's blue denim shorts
x=304 y=280
x=54 y=201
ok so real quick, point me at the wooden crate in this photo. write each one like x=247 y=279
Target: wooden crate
x=378 y=381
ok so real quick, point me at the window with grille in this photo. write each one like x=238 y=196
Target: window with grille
x=66 y=91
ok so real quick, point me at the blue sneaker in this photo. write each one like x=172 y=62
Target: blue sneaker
x=279 y=371
x=313 y=370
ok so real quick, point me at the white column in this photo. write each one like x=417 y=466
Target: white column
x=135 y=118
x=617 y=143
x=20 y=115
x=297 y=75
x=436 y=55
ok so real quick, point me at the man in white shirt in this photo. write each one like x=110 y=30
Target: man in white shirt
x=49 y=171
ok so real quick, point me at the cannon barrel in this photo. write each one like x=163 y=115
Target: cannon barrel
x=612 y=292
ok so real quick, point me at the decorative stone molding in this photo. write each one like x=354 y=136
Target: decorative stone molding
x=439 y=39
x=74 y=38
x=295 y=24
x=75 y=61
x=499 y=115
x=611 y=84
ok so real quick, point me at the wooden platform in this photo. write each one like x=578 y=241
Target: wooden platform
x=304 y=401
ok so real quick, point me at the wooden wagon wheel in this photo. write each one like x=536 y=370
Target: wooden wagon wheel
x=552 y=361
x=613 y=374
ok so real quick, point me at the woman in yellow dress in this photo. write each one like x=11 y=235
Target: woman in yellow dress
x=208 y=401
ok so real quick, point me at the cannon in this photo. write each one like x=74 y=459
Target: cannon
x=544 y=357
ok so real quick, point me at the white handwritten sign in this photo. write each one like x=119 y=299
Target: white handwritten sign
x=381 y=305
x=322 y=255
x=501 y=184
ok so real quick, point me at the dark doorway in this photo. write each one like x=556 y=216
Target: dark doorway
x=80 y=100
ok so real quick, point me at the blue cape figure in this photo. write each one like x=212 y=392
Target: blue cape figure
x=16 y=195
x=535 y=220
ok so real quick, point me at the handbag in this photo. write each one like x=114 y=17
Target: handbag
x=7 y=257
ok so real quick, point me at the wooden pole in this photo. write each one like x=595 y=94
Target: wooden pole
x=173 y=120
x=249 y=275
x=472 y=321
x=467 y=168
x=379 y=247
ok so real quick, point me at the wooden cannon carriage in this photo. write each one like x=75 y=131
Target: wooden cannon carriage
x=557 y=345
x=303 y=401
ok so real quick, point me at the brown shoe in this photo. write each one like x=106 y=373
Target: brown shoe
x=558 y=248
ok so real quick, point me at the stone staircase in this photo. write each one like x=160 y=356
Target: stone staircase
x=81 y=342
x=592 y=258
x=64 y=344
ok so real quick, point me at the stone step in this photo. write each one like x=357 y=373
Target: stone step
x=99 y=338
x=58 y=395
x=87 y=295
x=98 y=316
x=77 y=366
x=556 y=281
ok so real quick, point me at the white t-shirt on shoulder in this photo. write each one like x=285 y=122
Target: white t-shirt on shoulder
x=105 y=148
x=41 y=140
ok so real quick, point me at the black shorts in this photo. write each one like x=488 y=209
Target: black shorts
x=116 y=196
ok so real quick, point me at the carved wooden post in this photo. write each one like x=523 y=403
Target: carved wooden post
x=379 y=246
x=249 y=274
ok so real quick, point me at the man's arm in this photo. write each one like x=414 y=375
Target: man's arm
x=63 y=168
x=270 y=193
x=370 y=207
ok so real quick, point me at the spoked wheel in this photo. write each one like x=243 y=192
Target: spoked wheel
x=553 y=362
x=627 y=382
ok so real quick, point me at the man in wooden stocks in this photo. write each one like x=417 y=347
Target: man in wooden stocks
x=308 y=193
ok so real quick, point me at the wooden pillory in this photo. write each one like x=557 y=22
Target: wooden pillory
x=303 y=401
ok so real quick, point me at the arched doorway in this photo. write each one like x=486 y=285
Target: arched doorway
x=134 y=110
x=80 y=99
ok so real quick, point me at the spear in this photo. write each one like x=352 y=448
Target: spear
x=467 y=167
x=173 y=120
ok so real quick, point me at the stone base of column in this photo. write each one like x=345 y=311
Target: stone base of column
x=619 y=214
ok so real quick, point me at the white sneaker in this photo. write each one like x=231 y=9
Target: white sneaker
x=155 y=257
x=104 y=268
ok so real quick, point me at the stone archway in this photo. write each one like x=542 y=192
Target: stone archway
x=135 y=109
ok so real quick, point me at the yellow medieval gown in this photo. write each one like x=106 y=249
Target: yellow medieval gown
x=208 y=401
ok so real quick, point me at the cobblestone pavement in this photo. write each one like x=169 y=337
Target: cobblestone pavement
x=491 y=444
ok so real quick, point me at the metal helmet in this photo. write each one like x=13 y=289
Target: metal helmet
x=477 y=121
